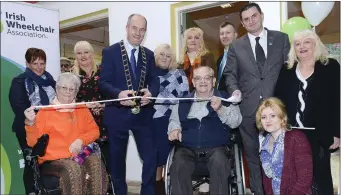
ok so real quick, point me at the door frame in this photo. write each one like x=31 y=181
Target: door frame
x=176 y=15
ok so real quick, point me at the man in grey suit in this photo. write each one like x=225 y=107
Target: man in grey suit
x=254 y=62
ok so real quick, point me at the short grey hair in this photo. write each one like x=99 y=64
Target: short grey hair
x=132 y=15
x=209 y=70
x=69 y=78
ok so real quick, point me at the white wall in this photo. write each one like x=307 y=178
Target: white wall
x=72 y=9
x=158 y=16
x=272 y=17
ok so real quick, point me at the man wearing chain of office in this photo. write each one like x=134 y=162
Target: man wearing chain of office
x=128 y=69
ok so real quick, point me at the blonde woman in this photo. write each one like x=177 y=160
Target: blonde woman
x=195 y=54
x=89 y=74
x=285 y=155
x=173 y=84
x=309 y=85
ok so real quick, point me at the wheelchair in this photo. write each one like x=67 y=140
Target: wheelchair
x=49 y=184
x=201 y=174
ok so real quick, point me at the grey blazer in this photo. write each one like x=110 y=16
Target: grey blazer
x=242 y=72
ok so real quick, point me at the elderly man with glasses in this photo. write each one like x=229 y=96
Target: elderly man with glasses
x=202 y=127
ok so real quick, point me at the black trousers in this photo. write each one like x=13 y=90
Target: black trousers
x=249 y=134
x=184 y=163
x=28 y=172
x=322 y=171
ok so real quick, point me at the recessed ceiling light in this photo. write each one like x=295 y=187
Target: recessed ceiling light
x=226 y=5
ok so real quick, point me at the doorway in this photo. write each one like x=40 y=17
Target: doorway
x=209 y=19
x=93 y=27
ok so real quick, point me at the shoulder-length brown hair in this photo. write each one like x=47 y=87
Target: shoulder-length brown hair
x=278 y=106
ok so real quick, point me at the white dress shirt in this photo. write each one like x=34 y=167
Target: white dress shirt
x=129 y=47
x=263 y=41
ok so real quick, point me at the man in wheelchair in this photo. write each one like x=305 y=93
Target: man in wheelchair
x=70 y=154
x=202 y=128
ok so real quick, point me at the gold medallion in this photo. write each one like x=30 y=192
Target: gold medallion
x=135 y=110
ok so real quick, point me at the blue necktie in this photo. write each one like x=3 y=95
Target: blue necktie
x=221 y=68
x=133 y=62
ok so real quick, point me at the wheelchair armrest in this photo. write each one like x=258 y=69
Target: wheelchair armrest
x=39 y=148
x=101 y=141
x=27 y=151
x=233 y=137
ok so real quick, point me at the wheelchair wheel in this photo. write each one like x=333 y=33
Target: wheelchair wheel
x=239 y=169
x=167 y=172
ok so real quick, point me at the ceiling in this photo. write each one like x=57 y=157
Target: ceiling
x=96 y=32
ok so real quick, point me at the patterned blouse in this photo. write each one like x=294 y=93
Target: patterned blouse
x=174 y=84
x=272 y=163
x=89 y=91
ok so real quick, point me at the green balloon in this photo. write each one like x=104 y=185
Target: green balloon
x=1 y=27
x=295 y=24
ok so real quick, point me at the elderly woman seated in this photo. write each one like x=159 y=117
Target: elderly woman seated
x=70 y=128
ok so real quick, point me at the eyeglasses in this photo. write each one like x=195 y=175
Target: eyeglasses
x=66 y=89
x=65 y=65
x=206 y=78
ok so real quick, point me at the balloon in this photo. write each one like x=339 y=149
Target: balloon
x=316 y=12
x=295 y=24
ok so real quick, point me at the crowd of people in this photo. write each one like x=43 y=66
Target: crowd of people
x=287 y=110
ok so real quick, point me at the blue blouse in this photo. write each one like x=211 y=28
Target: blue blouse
x=272 y=163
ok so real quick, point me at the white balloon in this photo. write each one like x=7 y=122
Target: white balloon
x=316 y=12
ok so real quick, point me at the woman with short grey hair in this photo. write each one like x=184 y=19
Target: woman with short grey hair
x=71 y=130
x=69 y=78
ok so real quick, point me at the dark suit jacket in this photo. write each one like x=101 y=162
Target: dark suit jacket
x=113 y=81
x=242 y=72
x=222 y=85
x=297 y=173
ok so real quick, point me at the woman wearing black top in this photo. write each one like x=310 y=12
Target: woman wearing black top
x=34 y=87
x=309 y=85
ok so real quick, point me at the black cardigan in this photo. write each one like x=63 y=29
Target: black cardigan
x=19 y=101
x=322 y=102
